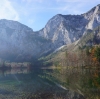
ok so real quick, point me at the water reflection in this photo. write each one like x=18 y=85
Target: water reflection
x=13 y=71
x=85 y=81
x=47 y=83
x=35 y=84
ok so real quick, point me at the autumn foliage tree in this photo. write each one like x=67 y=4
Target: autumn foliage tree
x=95 y=55
x=85 y=57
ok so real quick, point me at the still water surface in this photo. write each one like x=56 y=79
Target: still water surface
x=62 y=83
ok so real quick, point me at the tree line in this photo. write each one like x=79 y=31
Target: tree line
x=87 y=57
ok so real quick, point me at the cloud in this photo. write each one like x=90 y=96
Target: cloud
x=27 y=1
x=76 y=6
x=7 y=11
x=30 y=1
x=73 y=1
x=36 y=13
x=58 y=6
x=70 y=8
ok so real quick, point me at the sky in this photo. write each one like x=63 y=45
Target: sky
x=36 y=13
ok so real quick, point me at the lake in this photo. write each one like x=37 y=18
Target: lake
x=57 y=83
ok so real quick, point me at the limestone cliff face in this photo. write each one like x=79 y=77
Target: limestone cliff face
x=93 y=17
x=66 y=29
x=21 y=42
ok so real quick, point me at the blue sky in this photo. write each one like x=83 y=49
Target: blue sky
x=36 y=13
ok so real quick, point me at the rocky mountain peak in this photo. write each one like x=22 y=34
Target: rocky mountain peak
x=98 y=6
x=13 y=25
x=93 y=16
x=19 y=40
x=64 y=29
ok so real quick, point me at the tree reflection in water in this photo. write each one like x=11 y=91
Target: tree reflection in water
x=58 y=83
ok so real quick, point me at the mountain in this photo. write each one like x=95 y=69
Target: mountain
x=92 y=37
x=20 y=43
x=93 y=17
x=65 y=29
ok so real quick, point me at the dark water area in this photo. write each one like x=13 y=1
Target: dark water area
x=61 y=83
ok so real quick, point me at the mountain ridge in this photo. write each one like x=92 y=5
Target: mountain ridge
x=22 y=43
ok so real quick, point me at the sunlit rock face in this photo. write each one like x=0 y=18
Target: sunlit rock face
x=19 y=42
x=93 y=16
x=65 y=29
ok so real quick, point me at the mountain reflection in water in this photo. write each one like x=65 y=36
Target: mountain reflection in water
x=72 y=83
